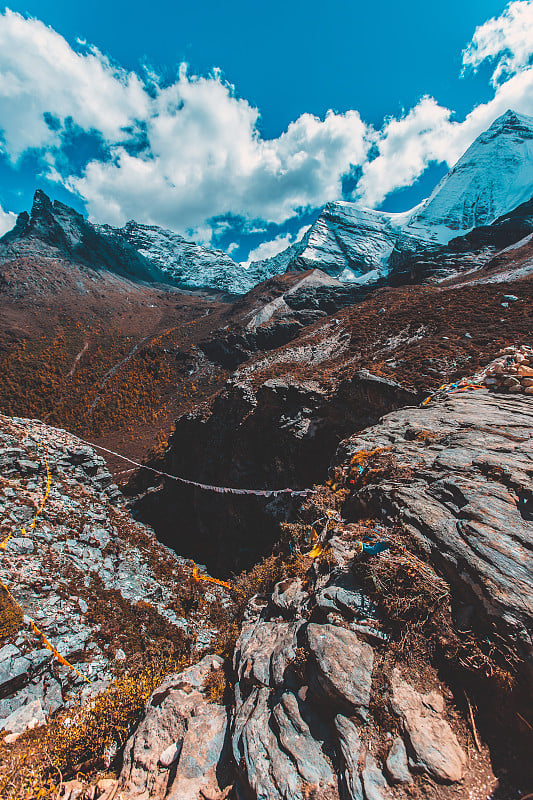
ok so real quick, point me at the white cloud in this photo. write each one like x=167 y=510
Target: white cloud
x=202 y=155
x=40 y=73
x=406 y=147
x=507 y=40
x=275 y=246
x=428 y=134
x=270 y=248
x=7 y=220
x=221 y=165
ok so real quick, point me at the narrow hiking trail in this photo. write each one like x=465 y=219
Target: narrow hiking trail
x=109 y=374
x=77 y=359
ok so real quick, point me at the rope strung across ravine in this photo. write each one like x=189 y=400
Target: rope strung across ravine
x=206 y=486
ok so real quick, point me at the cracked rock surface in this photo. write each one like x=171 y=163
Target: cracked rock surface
x=466 y=499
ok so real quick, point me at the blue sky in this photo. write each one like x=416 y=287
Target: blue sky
x=282 y=107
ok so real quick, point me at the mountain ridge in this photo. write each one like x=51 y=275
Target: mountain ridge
x=351 y=243
x=492 y=177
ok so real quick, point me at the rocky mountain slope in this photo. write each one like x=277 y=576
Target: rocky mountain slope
x=142 y=253
x=57 y=231
x=99 y=586
x=184 y=263
x=494 y=176
x=280 y=415
x=350 y=243
x=437 y=704
x=392 y=659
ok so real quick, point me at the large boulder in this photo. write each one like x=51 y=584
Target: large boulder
x=433 y=742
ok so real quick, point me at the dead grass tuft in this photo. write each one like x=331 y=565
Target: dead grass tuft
x=11 y=617
x=417 y=604
x=82 y=739
x=217 y=688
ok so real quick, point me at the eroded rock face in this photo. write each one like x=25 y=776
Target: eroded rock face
x=466 y=497
x=344 y=663
x=303 y=689
x=303 y=717
x=435 y=746
x=179 y=744
x=83 y=553
x=319 y=710
x=278 y=434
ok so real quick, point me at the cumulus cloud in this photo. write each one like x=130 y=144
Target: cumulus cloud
x=178 y=153
x=186 y=152
x=206 y=158
x=269 y=249
x=427 y=134
x=7 y=220
x=406 y=147
x=276 y=245
x=506 y=40
x=43 y=83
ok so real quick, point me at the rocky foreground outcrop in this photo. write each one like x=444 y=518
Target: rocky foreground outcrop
x=334 y=694
x=465 y=496
x=97 y=584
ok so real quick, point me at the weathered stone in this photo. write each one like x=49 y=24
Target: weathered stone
x=165 y=724
x=170 y=754
x=468 y=504
x=268 y=770
x=264 y=650
x=72 y=790
x=290 y=596
x=350 y=747
x=22 y=544
x=343 y=595
x=396 y=763
x=344 y=663
x=106 y=788
x=296 y=739
x=23 y=719
x=436 y=747
x=374 y=783
x=17 y=670
x=201 y=753
x=80 y=531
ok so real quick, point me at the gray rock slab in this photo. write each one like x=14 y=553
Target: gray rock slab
x=437 y=749
x=296 y=739
x=165 y=723
x=350 y=751
x=268 y=770
x=344 y=663
x=200 y=754
x=396 y=764
x=264 y=650
x=465 y=502
x=23 y=719
x=290 y=596
x=374 y=783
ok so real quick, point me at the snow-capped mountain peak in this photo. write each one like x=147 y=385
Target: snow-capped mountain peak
x=493 y=176
x=354 y=244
